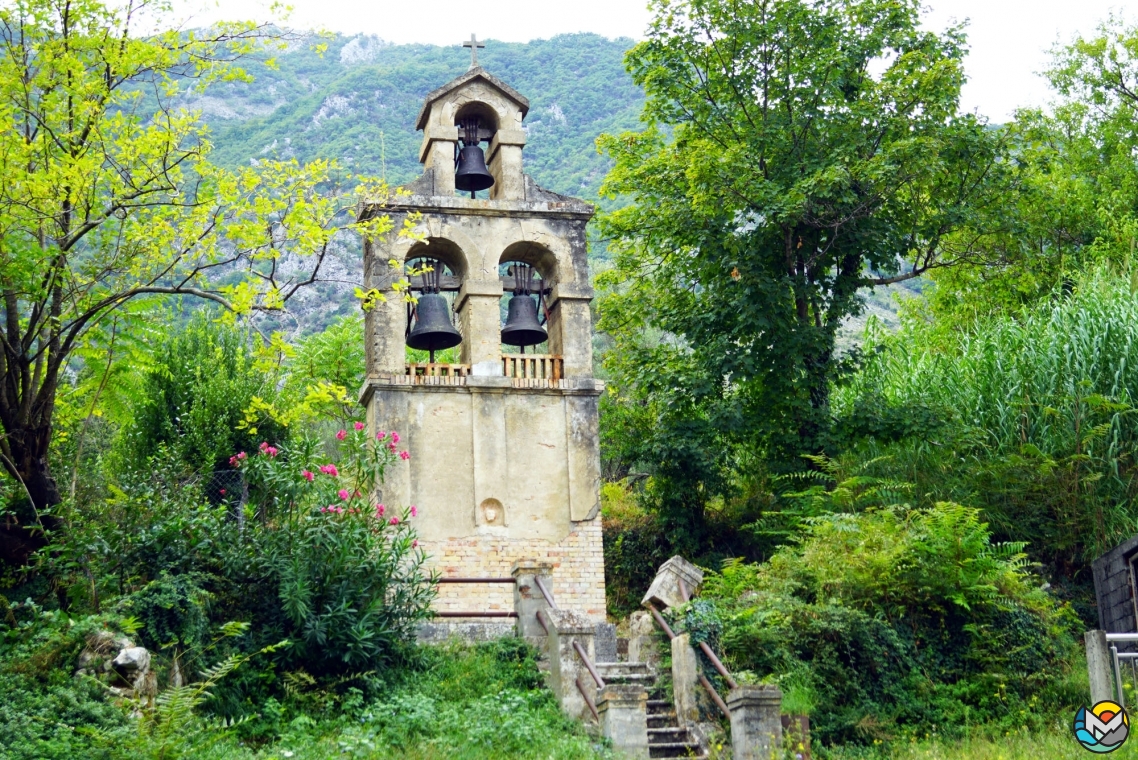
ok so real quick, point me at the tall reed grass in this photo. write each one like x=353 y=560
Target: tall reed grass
x=1036 y=416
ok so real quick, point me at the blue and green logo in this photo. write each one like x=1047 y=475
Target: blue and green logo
x=1102 y=728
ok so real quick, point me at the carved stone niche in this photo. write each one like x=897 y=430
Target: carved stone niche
x=491 y=514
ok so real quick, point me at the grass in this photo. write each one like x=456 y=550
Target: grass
x=1058 y=744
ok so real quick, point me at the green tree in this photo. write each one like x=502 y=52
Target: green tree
x=108 y=196
x=796 y=152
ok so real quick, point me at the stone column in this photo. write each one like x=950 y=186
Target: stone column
x=479 y=318
x=565 y=665
x=528 y=598
x=756 y=722
x=624 y=718
x=1099 y=666
x=504 y=160
x=437 y=152
x=685 y=680
x=642 y=642
x=665 y=589
x=570 y=328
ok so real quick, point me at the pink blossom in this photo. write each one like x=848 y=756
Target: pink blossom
x=307 y=475
x=359 y=426
x=233 y=461
x=414 y=511
x=415 y=543
x=344 y=495
x=264 y=446
x=330 y=469
x=271 y=451
x=391 y=446
x=339 y=510
x=404 y=455
x=394 y=437
x=242 y=455
x=324 y=509
x=341 y=434
x=380 y=435
x=222 y=492
x=379 y=510
x=394 y=521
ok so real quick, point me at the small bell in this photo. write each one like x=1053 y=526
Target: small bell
x=522 y=328
x=471 y=173
x=433 y=330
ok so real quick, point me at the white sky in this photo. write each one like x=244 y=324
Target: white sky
x=1009 y=38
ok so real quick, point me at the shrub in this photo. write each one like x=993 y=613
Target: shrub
x=894 y=620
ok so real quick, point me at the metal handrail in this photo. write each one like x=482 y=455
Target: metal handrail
x=545 y=592
x=703 y=644
x=588 y=665
x=540 y=615
x=715 y=696
x=1122 y=637
x=588 y=700
x=702 y=678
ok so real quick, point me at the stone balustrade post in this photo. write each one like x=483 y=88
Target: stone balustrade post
x=685 y=680
x=1099 y=666
x=528 y=598
x=756 y=722
x=624 y=718
x=665 y=588
x=565 y=666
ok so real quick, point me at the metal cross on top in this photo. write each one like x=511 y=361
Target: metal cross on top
x=473 y=44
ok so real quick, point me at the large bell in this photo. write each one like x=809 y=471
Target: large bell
x=471 y=173
x=521 y=328
x=433 y=330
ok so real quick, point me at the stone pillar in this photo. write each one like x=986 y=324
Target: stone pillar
x=642 y=642
x=385 y=324
x=570 y=328
x=528 y=598
x=1099 y=666
x=437 y=152
x=685 y=680
x=756 y=722
x=479 y=319
x=564 y=664
x=665 y=589
x=624 y=718
x=504 y=160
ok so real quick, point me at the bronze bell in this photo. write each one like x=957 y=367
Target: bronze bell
x=433 y=330
x=522 y=328
x=471 y=173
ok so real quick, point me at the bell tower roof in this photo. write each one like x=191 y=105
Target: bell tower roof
x=469 y=77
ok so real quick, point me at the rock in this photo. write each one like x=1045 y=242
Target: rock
x=131 y=661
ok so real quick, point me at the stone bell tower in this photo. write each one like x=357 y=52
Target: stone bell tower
x=504 y=445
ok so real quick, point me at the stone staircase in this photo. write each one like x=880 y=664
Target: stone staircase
x=666 y=738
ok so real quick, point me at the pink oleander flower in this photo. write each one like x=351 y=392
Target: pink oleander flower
x=379 y=510
x=241 y=455
x=344 y=495
x=330 y=469
x=264 y=446
x=380 y=435
x=359 y=426
x=355 y=494
x=394 y=521
x=415 y=543
x=341 y=435
x=307 y=475
x=233 y=461
x=414 y=511
x=339 y=510
x=404 y=455
x=222 y=492
x=323 y=509
x=271 y=451
x=394 y=437
x=391 y=446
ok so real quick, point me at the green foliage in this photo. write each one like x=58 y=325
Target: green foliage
x=174 y=610
x=897 y=619
x=1038 y=418
x=195 y=395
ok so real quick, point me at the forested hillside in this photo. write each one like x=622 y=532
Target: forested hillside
x=357 y=100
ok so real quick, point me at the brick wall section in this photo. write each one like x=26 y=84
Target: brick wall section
x=1114 y=590
x=578 y=570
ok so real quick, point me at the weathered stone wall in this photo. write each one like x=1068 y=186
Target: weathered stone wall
x=578 y=570
x=1114 y=588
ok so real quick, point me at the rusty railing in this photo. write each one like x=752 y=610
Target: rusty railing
x=667 y=629
x=484 y=614
x=543 y=621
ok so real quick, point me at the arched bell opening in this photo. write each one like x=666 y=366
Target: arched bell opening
x=477 y=124
x=431 y=336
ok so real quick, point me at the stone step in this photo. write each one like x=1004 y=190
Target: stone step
x=665 y=703
x=675 y=749
x=669 y=735
x=663 y=720
x=641 y=678
x=640 y=668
